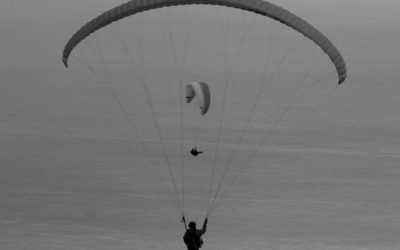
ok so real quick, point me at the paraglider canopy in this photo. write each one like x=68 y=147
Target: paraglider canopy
x=201 y=91
x=260 y=7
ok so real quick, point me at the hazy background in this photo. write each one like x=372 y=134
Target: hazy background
x=326 y=179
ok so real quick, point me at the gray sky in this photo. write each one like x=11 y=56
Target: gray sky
x=365 y=31
x=60 y=131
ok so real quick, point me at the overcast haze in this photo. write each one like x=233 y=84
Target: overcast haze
x=79 y=170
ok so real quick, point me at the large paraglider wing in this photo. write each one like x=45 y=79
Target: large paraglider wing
x=260 y=7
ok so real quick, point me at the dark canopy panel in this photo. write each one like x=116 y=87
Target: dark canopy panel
x=260 y=7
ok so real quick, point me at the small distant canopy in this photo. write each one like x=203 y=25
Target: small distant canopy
x=201 y=91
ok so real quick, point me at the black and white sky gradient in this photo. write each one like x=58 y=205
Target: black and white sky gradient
x=328 y=177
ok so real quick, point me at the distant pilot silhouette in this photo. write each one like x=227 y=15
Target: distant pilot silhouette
x=195 y=152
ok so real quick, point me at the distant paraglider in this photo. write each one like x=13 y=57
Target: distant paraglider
x=201 y=92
